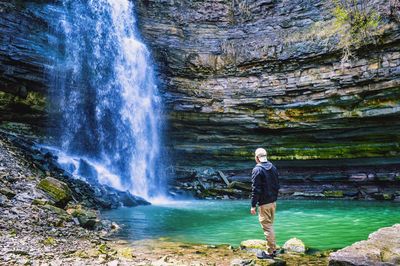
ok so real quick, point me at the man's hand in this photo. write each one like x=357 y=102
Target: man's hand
x=253 y=211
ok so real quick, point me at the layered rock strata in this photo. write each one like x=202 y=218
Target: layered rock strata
x=366 y=183
x=243 y=74
x=237 y=75
x=27 y=51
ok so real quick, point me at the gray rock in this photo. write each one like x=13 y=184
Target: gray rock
x=382 y=248
x=359 y=177
x=7 y=192
x=3 y=200
x=242 y=262
x=294 y=245
x=87 y=218
x=253 y=244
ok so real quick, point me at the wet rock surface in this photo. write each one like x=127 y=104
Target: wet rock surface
x=381 y=248
x=61 y=185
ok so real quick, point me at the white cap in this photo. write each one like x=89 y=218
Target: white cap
x=261 y=154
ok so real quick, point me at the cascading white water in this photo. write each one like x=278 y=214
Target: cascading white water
x=105 y=91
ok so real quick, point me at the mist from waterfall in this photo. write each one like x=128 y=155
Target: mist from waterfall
x=105 y=92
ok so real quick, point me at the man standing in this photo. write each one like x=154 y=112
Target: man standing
x=265 y=187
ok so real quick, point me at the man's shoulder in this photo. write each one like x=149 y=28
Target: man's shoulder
x=256 y=169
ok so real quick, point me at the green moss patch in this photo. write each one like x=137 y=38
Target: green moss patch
x=334 y=193
x=57 y=190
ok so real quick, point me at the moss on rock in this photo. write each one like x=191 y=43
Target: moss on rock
x=7 y=192
x=334 y=193
x=253 y=244
x=49 y=241
x=57 y=190
x=240 y=185
x=87 y=218
x=294 y=245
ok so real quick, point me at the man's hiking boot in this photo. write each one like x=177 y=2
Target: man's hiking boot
x=263 y=255
x=276 y=252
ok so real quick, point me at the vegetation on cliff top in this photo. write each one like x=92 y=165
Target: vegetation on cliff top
x=355 y=23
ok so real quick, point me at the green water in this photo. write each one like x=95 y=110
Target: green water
x=320 y=224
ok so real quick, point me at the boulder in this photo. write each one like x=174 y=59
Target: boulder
x=61 y=214
x=3 y=200
x=240 y=185
x=241 y=262
x=39 y=202
x=294 y=245
x=58 y=191
x=129 y=200
x=383 y=196
x=381 y=248
x=360 y=177
x=253 y=244
x=87 y=218
x=7 y=192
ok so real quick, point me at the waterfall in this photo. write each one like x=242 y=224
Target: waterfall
x=107 y=99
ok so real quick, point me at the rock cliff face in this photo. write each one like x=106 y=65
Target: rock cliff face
x=26 y=55
x=243 y=74
x=237 y=75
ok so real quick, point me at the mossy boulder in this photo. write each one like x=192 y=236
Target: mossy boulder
x=49 y=241
x=240 y=185
x=58 y=191
x=61 y=214
x=383 y=196
x=39 y=202
x=253 y=244
x=87 y=218
x=294 y=245
x=7 y=192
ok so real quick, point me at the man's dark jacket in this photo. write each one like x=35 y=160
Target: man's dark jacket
x=265 y=185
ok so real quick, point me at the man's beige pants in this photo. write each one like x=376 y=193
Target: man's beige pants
x=266 y=214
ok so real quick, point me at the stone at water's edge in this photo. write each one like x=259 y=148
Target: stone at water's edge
x=57 y=190
x=87 y=218
x=294 y=245
x=253 y=244
x=381 y=248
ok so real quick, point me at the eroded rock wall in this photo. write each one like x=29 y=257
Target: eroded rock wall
x=237 y=75
x=242 y=74
x=27 y=51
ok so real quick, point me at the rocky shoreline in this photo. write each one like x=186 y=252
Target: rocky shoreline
x=44 y=221
x=48 y=216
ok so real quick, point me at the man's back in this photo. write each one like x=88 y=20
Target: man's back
x=265 y=184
